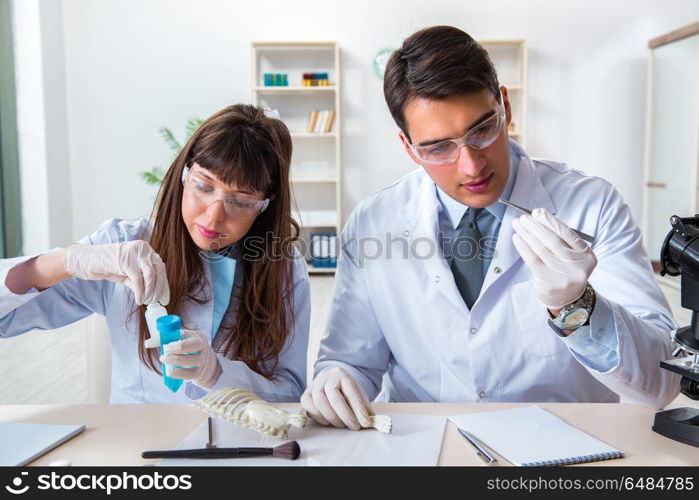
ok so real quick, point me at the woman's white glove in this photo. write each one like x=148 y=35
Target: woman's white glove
x=192 y=358
x=335 y=397
x=133 y=263
x=559 y=259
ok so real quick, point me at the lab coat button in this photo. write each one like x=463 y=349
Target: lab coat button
x=436 y=278
x=497 y=270
x=482 y=395
x=473 y=331
x=406 y=233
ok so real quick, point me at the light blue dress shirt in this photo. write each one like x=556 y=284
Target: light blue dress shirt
x=488 y=222
x=222 y=274
x=598 y=350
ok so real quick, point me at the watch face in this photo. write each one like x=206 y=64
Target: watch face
x=575 y=318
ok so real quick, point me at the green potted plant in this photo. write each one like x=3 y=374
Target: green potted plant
x=155 y=175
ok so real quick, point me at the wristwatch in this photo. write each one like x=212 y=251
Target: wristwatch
x=576 y=314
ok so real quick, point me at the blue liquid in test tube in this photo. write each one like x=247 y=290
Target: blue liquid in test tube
x=169 y=329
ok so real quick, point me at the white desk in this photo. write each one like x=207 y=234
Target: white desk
x=117 y=434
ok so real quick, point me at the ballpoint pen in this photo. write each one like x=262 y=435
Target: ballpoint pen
x=480 y=450
x=584 y=236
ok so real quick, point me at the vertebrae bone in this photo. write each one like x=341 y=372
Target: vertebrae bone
x=245 y=408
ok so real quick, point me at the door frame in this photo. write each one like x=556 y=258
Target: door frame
x=670 y=37
x=10 y=202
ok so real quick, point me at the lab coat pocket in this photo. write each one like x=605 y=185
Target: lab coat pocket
x=532 y=322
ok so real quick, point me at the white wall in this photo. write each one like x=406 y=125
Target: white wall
x=31 y=135
x=133 y=66
x=45 y=175
x=58 y=166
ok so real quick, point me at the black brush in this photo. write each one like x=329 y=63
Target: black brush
x=290 y=451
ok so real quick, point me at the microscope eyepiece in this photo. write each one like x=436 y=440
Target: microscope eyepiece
x=680 y=251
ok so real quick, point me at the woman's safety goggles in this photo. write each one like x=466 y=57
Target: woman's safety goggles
x=235 y=204
x=479 y=137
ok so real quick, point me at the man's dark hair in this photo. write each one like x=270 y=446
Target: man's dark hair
x=436 y=63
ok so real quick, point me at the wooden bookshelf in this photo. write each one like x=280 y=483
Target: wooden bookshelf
x=316 y=162
x=510 y=59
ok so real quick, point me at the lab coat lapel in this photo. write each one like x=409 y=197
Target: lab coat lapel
x=423 y=216
x=528 y=192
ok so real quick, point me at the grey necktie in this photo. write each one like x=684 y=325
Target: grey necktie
x=466 y=264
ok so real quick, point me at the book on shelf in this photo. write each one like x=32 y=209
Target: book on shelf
x=276 y=80
x=329 y=122
x=320 y=122
x=323 y=250
x=312 y=119
x=315 y=80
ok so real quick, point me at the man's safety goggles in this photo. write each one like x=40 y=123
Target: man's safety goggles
x=479 y=137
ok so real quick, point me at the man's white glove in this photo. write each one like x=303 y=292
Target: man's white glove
x=559 y=259
x=133 y=263
x=335 y=397
x=192 y=358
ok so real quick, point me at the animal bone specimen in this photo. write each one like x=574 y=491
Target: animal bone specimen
x=381 y=423
x=245 y=408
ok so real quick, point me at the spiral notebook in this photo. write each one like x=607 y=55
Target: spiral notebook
x=532 y=437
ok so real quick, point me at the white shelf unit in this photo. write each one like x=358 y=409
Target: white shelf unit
x=315 y=165
x=510 y=60
x=295 y=89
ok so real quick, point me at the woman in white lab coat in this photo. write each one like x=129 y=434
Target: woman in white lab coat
x=216 y=251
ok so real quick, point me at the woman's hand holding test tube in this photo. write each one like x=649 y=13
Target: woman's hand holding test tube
x=192 y=358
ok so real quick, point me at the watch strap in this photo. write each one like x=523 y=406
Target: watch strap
x=584 y=302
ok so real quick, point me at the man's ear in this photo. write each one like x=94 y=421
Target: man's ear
x=406 y=145
x=508 y=108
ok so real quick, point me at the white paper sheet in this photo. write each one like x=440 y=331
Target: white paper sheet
x=416 y=440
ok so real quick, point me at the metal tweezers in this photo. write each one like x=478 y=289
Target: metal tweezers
x=584 y=236
x=210 y=443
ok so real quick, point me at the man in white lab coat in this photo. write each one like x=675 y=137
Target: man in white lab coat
x=445 y=294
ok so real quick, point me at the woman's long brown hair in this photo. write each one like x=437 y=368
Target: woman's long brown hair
x=240 y=145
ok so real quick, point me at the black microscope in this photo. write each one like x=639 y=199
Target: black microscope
x=680 y=256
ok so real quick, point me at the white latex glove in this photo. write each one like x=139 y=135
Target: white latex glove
x=335 y=397
x=192 y=358
x=133 y=263
x=559 y=259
